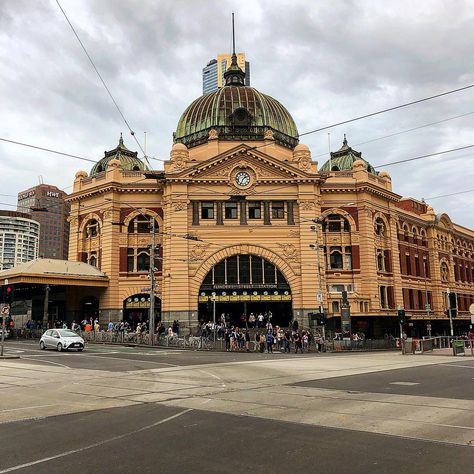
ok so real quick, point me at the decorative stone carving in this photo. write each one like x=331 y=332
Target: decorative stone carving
x=268 y=135
x=289 y=251
x=307 y=205
x=198 y=252
x=180 y=206
x=213 y=135
x=179 y=155
x=304 y=164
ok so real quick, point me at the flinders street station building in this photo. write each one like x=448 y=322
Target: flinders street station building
x=243 y=218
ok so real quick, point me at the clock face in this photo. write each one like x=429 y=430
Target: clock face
x=242 y=178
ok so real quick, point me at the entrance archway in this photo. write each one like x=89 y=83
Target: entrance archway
x=136 y=309
x=243 y=284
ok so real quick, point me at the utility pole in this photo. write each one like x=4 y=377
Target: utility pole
x=214 y=317
x=320 y=281
x=151 y=314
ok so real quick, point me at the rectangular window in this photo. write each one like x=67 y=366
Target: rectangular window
x=411 y=300
x=130 y=260
x=278 y=210
x=230 y=210
x=408 y=264
x=207 y=210
x=255 y=210
x=383 y=296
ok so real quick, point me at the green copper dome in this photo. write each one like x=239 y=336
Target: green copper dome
x=236 y=112
x=344 y=158
x=129 y=160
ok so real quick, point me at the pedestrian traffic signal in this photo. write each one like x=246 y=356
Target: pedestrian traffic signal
x=320 y=319
x=8 y=294
x=401 y=316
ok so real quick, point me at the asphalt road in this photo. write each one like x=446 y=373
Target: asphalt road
x=233 y=412
x=455 y=380
x=154 y=438
x=121 y=358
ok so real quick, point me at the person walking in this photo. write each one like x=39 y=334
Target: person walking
x=298 y=343
x=269 y=340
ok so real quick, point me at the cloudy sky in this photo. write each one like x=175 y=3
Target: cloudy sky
x=326 y=61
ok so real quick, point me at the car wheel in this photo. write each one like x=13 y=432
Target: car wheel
x=42 y=346
x=60 y=347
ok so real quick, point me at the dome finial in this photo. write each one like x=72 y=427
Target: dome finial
x=234 y=76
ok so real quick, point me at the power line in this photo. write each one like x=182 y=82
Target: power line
x=447 y=195
x=49 y=150
x=102 y=80
x=424 y=156
x=404 y=131
x=360 y=117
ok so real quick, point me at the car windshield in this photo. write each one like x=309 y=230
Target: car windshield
x=67 y=333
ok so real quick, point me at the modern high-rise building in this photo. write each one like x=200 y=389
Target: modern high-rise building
x=45 y=203
x=209 y=77
x=213 y=73
x=19 y=238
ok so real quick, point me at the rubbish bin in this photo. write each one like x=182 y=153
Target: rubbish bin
x=458 y=347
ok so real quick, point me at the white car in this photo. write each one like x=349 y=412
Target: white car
x=61 y=340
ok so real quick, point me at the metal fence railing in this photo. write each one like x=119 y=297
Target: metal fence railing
x=459 y=346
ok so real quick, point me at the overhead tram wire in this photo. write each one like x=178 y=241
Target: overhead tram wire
x=49 y=150
x=103 y=82
x=372 y=114
x=424 y=156
x=403 y=131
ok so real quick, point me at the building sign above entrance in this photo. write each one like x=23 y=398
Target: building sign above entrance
x=237 y=298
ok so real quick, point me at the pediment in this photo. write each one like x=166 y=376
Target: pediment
x=263 y=166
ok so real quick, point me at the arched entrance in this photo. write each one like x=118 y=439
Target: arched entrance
x=136 y=309
x=245 y=284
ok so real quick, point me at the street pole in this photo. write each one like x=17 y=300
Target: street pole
x=3 y=329
x=45 y=307
x=320 y=291
x=151 y=314
x=214 y=318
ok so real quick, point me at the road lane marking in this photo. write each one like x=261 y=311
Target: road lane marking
x=405 y=383
x=95 y=445
x=47 y=362
x=26 y=408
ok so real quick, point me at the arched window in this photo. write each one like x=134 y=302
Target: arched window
x=405 y=232
x=141 y=224
x=336 y=223
x=91 y=229
x=379 y=227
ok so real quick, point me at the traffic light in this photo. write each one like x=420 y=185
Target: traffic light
x=8 y=294
x=321 y=319
x=401 y=316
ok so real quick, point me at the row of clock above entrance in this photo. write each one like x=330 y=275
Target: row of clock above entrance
x=243 y=211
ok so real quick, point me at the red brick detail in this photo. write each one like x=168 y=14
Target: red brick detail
x=355 y=257
x=123 y=259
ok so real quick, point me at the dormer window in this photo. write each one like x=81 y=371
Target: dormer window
x=241 y=117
